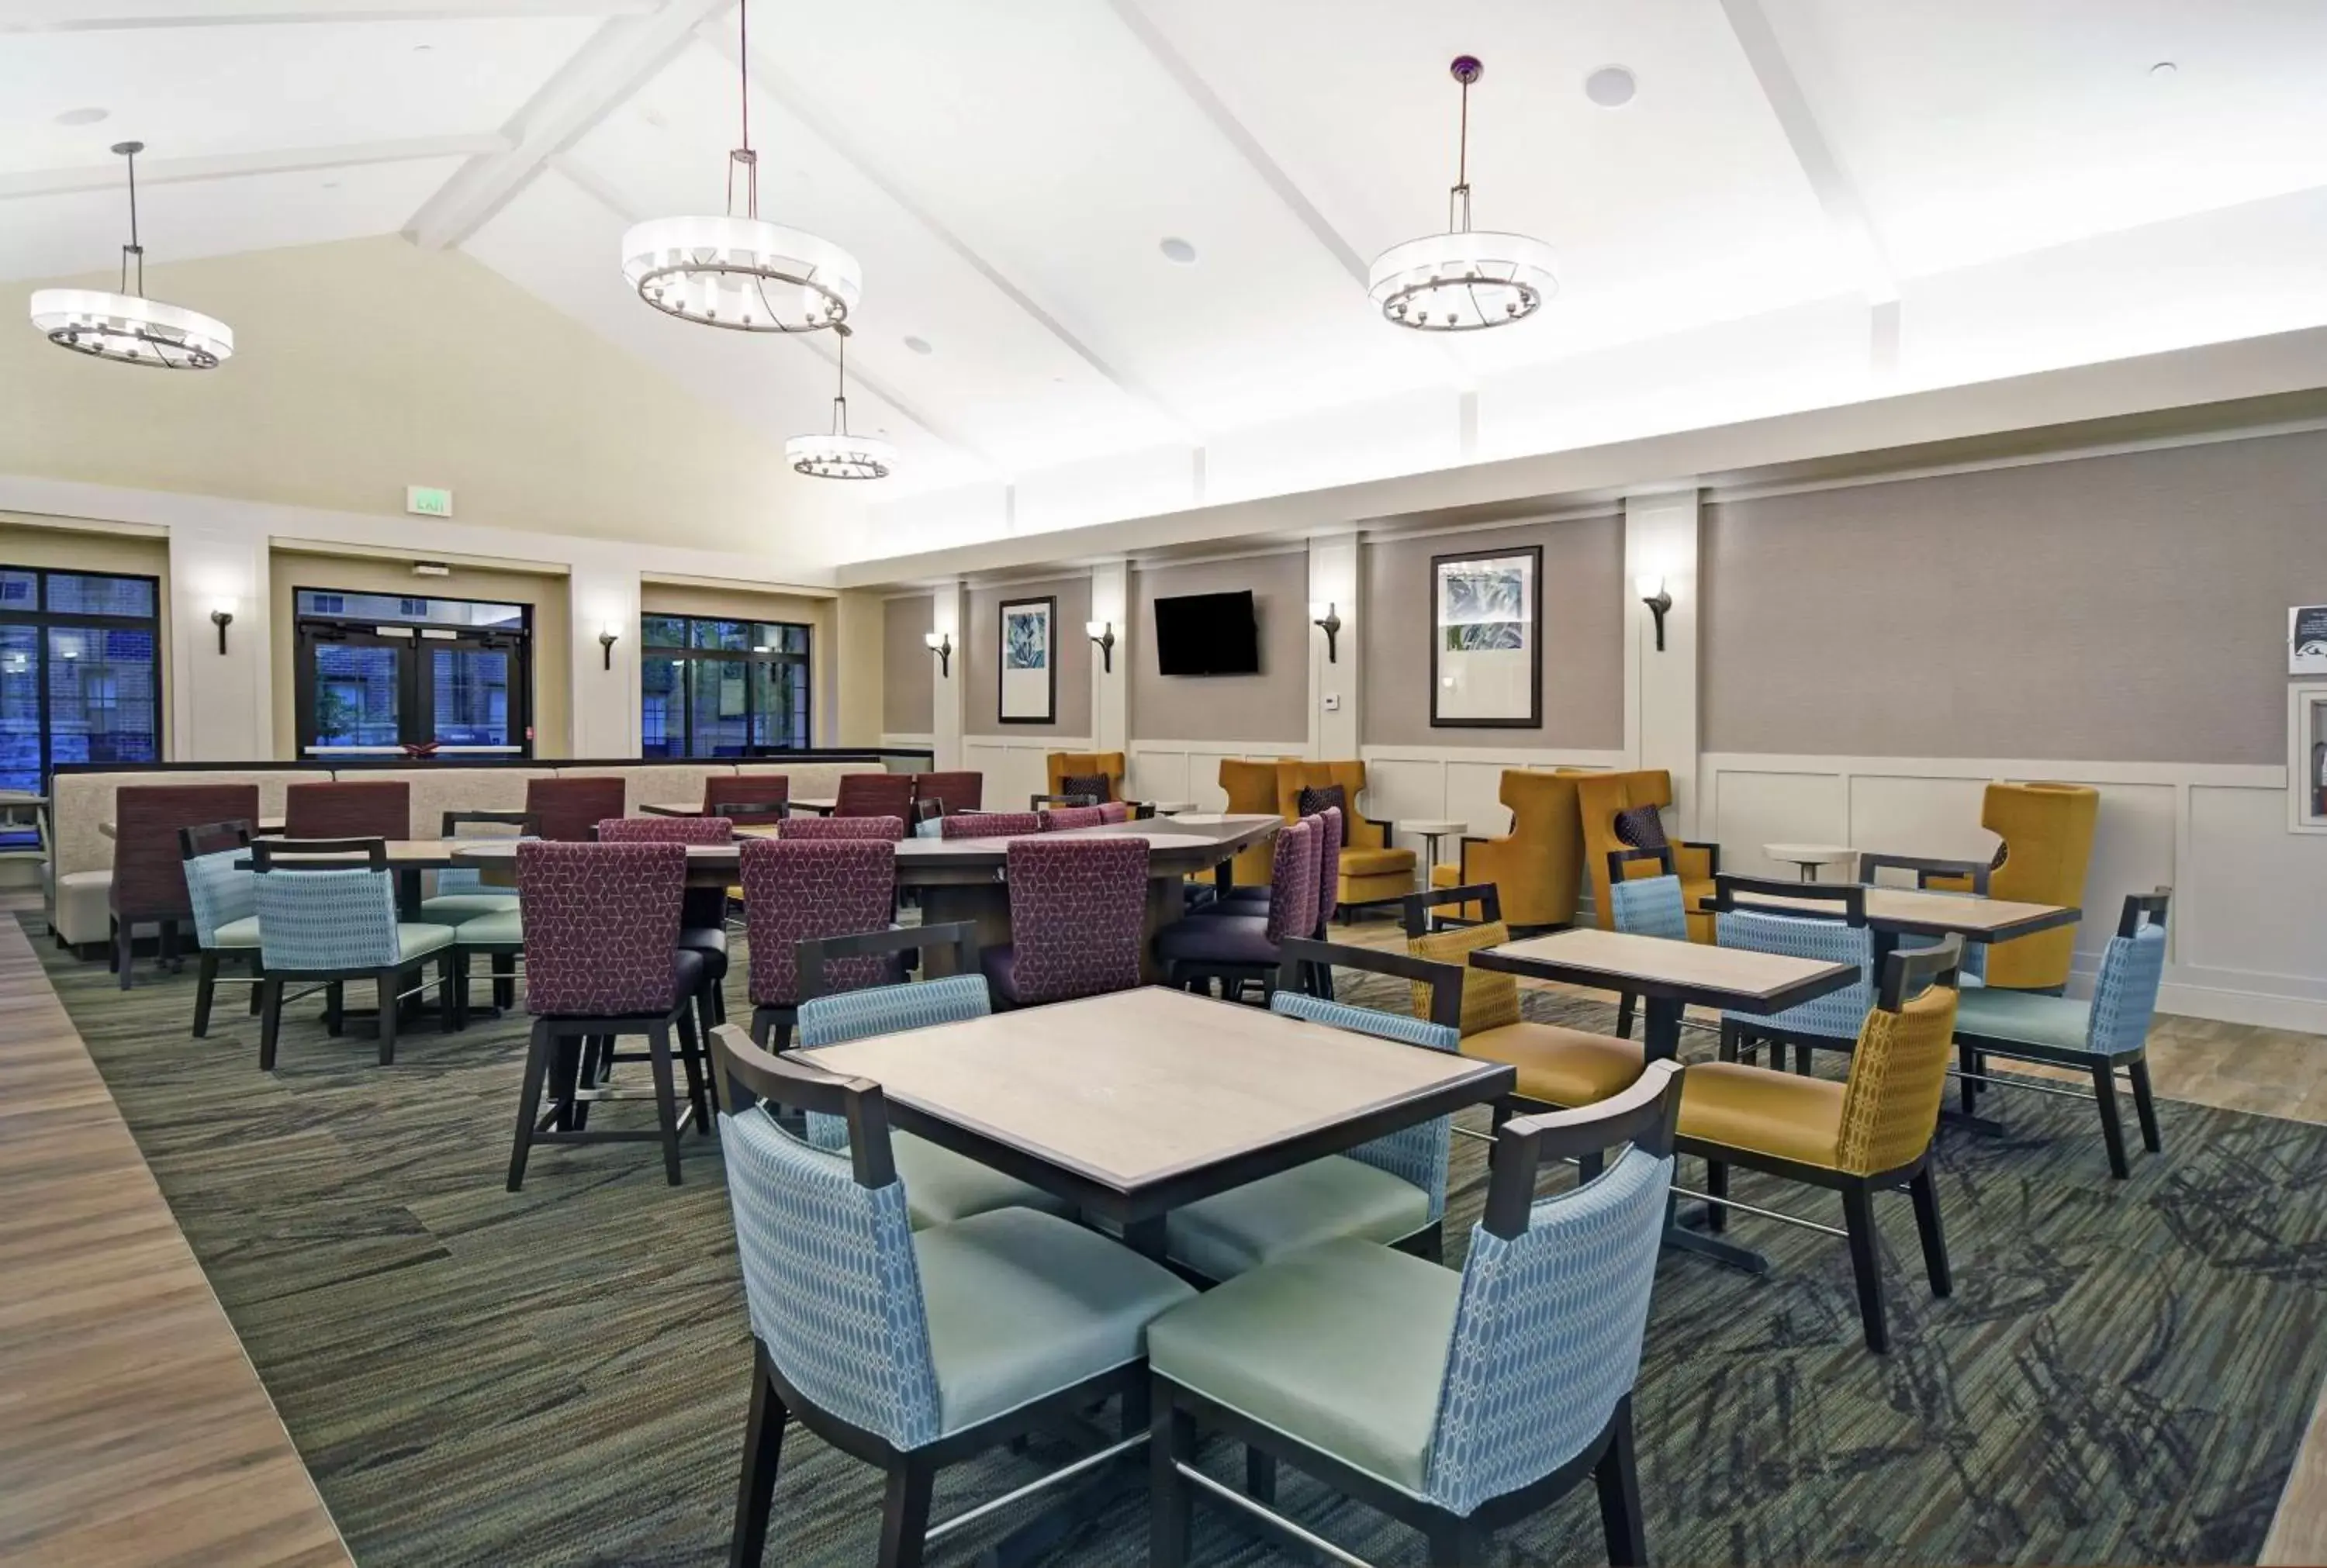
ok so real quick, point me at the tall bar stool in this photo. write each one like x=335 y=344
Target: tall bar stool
x=1238 y=950
x=702 y=911
x=1077 y=909
x=885 y=829
x=795 y=890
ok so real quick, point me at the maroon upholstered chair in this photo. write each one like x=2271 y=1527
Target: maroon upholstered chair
x=667 y=830
x=1236 y=948
x=953 y=792
x=875 y=795
x=1254 y=901
x=1076 y=908
x=1060 y=819
x=990 y=824
x=603 y=960
x=149 y=872
x=356 y=808
x=569 y=809
x=751 y=799
x=702 y=912
x=888 y=829
x=794 y=890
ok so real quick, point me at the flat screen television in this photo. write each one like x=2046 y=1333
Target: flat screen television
x=1207 y=634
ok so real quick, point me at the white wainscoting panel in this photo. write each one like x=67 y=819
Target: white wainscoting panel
x=1459 y=783
x=1190 y=770
x=2253 y=892
x=1015 y=766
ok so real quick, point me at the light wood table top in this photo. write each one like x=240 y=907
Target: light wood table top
x=418 y=853
x=265 y=824
x=1143 y=1101
x=1732 y=978
x=1915 y=911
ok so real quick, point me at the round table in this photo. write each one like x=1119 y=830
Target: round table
x=1430 y=830
x=1805 y=858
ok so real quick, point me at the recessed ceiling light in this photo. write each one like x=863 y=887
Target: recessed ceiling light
x=1178 y=251
x=653 y=117
x=330 y=184
x=1611 y=87
x=422 y=48
x=2164 y=68
x=88 y=117
x=919 y=345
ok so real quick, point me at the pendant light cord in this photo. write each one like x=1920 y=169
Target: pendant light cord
x=132 y=248
x=744 y=154
x=1458 y=200
x=840 y=399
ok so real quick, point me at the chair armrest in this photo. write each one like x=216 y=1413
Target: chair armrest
x=1383 y=827
x=1712 y=853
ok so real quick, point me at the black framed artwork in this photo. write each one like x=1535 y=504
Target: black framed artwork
x=1486 y=640
x=1028 y=671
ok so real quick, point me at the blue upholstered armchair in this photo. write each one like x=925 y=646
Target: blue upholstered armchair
x=1829 y=1023
x=332 y=921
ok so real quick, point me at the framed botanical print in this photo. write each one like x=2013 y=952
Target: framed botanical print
x=1030 y=661
x=1486 y=640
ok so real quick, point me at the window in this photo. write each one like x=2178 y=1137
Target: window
x=381 y=672
x=722 y=688
x=80 y=673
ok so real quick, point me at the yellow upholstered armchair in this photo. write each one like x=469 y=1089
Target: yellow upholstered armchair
x=2048 y=842
x=1537 y=867
x=1599 y=797
x=1251 y=788
x=1065 y=765
x=1372 y=870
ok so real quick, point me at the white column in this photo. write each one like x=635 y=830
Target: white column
x=1336 y=684
x=948 y=689
x=221 y=702
x=604 y=597
x=1111 y=688
x=1661 y=541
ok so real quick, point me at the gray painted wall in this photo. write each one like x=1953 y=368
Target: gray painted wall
x=2130 y=608
x=1583 y=636
x=908 y=670
x=1272 y=705
x=983 y=658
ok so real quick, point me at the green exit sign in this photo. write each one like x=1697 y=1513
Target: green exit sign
x=428 y=501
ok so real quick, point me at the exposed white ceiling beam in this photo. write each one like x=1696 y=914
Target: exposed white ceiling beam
x=100 y=16
x=598 y=191
x=1836 y=193
x=235 y=165
x=769 y=78
x=600 y=77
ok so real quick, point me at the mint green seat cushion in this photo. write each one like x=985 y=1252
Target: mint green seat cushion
x=941 y=1186
x=415 y=938
x=1023 y=1304
x=507 y=925
x=1262 y=1221
x=241 y=933
x=452 y=908
x=1998 y=1014
x=1341 y=1347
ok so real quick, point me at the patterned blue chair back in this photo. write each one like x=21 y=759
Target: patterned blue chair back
x=830 y=1279
x=1415 y=1154
x=2125 y=998
x=1650 y=906
x=848 y=1015
x=218 y=893
x=327 y=919
x=1841 y=1014
x=1548 y=1336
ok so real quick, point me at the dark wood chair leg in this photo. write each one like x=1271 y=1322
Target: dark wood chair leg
x=1171 y=1508
x=448 y=1015
x=2112 y=1129
x=458 y=1002
x=1618 y=1478
x=1867 y=1264
x=569 y=1058
x=1925 y=1191
x=1802 y=1058
x=335 y=1007
x=387 y=982
x=1717 y=1182
x=254 y=973
x=529 y=1101
x=167 y=945
x=1966 y=1063
x=505 y=980
x=2145 y=1104
x=763 y=1450
x=666 y=1110
x=1589 y=1166
x=1625 y=1006
x=905 y=1513
x=1730 y=1040
x=270 y=1022
x=1259 y=1474
x=690 y=1057
x=1457 y=1543
x=205 y=991
x=125 y=948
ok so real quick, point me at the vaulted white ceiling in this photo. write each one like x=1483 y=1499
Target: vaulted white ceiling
x=1807 y=201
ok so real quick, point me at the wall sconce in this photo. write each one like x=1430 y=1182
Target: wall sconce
x=1651 y=590
x=1327 y=619
x=942 y=644
x=608 y=635
x=223 y=617
x=1102 y=633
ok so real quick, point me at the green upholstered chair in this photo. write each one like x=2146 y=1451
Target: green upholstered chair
x=1456 y=1403
x=462 y=891
x=940 y=1186
x=911 y=1349
x=222 y=891
x=327 y=914
x=2105 y=1036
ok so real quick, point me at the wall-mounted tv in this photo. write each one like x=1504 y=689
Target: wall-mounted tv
x=1207 y=634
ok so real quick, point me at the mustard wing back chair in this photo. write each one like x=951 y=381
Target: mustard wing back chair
x=1537 y=867
x=1599 y=797
x=1372 y=870
x=1251 y=788
x=1065 y=765
x=2048 y=842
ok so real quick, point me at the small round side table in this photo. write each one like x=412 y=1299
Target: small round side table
x=1805 y=858
x=1430 y=830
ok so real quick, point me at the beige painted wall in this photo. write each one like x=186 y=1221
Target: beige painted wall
x=1272 y=705
x=819 y=614
x=909 y=684
x=981 y=657
x=25 y=544
x=2129 y=608
x=1584 y=630
x=366 y=365
x=553 y=682
x=859 y=669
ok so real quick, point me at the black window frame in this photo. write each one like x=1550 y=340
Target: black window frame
x=43 y=620
x=415 y=704
x=683 y=733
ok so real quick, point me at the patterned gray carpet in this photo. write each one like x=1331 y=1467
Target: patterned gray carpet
x=558 y=1376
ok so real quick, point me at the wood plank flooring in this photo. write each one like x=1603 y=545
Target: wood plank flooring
x=133 y=1430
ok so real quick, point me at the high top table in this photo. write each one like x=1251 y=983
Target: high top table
x=1895 y=912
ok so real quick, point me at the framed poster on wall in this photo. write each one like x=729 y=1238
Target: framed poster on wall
x=1486 y=641
x=1030 y=661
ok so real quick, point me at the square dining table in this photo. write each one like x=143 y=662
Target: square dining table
x=1139 y=1102
x=1895 y=912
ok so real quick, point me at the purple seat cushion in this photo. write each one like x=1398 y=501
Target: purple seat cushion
x=1217 y=939
x=1640 y=828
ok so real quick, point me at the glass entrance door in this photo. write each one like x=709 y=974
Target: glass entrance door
x=376 y=691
